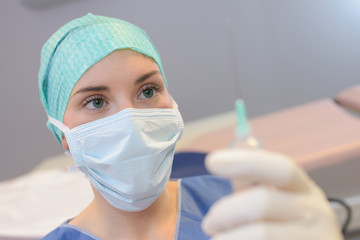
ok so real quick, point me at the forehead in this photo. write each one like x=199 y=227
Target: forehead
x=120 y=65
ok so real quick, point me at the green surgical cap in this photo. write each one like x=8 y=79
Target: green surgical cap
x=77 y=46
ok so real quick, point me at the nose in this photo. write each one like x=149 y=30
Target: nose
x=124 y=103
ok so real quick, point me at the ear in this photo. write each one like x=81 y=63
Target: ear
x=64 y=143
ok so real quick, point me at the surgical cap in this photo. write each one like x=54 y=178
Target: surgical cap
x=77 y=46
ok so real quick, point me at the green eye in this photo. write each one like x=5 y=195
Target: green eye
x=94 y=102
x=148 y=93
x=98 y=103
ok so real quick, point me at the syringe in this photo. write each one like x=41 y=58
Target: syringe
x=243 y=134
x=243 y=139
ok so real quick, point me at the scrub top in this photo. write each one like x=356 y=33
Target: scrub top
x=195 y=196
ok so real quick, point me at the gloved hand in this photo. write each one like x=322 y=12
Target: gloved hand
x=273 y=199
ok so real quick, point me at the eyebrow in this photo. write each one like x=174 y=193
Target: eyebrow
x=145 y=76
x=104 y=88
x=92 y=89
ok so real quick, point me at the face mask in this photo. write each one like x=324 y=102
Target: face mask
x=127 y=156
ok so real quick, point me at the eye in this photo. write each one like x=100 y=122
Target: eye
x=148 y=91
x=97 y=103
x=94 y=102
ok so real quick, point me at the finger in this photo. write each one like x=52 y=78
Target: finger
x=257 y=166
x=258 y=204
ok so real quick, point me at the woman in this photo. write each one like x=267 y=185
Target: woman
x=105 y=93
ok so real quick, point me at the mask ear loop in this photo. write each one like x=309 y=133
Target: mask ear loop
x=62 y=128
x=58 y=124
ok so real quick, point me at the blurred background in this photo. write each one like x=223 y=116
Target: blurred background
x=274 y=54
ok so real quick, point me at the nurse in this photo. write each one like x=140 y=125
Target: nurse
x=105 y=93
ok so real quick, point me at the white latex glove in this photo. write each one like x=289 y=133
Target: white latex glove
x=273 y=199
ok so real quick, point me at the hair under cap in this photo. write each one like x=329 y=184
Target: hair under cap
x=77 y=46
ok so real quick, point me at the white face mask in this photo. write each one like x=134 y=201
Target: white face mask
x=127 y=156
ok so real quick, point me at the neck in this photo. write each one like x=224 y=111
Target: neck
x=155 y=222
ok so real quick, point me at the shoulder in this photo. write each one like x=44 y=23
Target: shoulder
x=206 y=183
x=197 y=195
x=203 y=191
x=69 y=232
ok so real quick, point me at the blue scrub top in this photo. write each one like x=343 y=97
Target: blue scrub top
x=196 y=195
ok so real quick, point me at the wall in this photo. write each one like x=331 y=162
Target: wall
x=278 y=53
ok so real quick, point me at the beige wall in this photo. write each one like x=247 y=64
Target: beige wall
x=287 y=52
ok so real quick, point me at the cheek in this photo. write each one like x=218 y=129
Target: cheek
x=73 y=118
x=68 y=120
